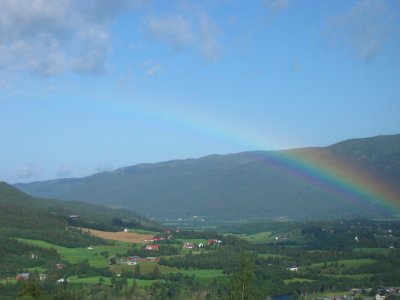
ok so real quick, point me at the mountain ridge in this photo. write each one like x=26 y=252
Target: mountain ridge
x=245 y=183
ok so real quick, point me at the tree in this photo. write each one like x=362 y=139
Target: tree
x=242 y=278
x=156 y=273
x=30 y=290
x=137 y=272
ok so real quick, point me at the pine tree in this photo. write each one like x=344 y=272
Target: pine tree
x=156 y=273
x=241 y=281
x=137 y=272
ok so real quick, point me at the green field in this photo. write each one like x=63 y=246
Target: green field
x=107 y=281
x=269 y=237
x=261 y=237
x=148 y=267
x=347 y=262
x=286 y=281
x=271 y=255
x=145 y=268
x=75 y=255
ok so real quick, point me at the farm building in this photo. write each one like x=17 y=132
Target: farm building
x=188 y=246
x=22 y=276
x=214 y=242
x=151 y=247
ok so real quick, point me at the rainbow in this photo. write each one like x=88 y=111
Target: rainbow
x=342 y=178
x=348 y=181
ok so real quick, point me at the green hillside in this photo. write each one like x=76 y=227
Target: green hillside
x=24 y=216
x=243 y=184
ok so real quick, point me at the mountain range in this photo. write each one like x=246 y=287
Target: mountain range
x=247 y=184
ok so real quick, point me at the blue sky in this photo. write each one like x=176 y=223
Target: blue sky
x=88 y=86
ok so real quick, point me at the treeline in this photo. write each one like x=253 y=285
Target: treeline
x=17 y=256
x=225 y=258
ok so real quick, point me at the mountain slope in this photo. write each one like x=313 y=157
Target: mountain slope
x=250 y=183
x=22 y=215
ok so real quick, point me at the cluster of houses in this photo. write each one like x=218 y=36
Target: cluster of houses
x=212 y=242
x=188 y=245
x=131 y=260
x=42 y=276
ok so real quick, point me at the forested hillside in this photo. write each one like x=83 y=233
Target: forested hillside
x=243 y=184
x=24 y=216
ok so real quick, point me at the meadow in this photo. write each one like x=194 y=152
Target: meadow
x=76 y=255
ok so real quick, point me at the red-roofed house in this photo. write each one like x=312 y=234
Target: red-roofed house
x=214 y=242
x=151 y=247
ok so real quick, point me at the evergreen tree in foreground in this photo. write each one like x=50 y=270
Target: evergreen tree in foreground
x=242 y=278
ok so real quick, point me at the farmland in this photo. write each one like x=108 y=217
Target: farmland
x=91 y=254
x=129 y=237
x=299 y=259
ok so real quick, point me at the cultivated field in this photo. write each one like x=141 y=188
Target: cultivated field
x=130 y=237
x=76 y=255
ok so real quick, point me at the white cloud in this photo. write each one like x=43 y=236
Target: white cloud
x=364 y=28
x=25 y=173
x=51 y=37
x=173 y=29
x=191 y=28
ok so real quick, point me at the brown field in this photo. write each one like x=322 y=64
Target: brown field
x=130 y=237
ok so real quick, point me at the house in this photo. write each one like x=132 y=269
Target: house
x=133 y=258
x=188 y=246
x=150 y=258
x=60 y=266
x=22 y=276
x=42 y=276
x=151 y=247
x=293 y=268
x=214 y=242
x=158 y=238
x=282 y=238
x=73 y=217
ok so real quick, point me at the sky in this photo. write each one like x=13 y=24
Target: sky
x=91 y=86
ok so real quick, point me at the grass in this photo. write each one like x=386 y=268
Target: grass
x=11 y=281
x=269 y=237
x=76 y=255
x=145 y=268
x=348 y=262
x=261 y=237
x=148 y=267
x=107 y=281
x=37 y=269
x=287 y=281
